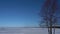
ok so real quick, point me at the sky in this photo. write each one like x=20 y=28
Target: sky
x=20 y=13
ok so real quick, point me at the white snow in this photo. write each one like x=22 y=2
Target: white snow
x=17 y=30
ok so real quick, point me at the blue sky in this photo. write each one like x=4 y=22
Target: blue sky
x=19 y=13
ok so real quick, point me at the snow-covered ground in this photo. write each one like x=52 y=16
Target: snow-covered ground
x=14 y=30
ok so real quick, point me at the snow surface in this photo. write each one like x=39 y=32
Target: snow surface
x=17 y=30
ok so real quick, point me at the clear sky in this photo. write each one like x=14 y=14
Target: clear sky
x=19 y=13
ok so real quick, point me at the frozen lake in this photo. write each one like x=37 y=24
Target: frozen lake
x=18 y=30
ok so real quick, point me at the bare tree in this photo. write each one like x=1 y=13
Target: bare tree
x=48 y=14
